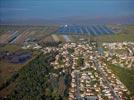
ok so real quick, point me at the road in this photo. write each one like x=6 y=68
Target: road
x=116 y=97
x=77 y=75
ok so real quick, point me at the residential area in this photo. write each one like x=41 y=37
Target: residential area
x=91 y=77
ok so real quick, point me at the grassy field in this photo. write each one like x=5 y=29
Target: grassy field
x=126 y=76
x=127 y=29
x=118 y=37
x=115 y=38
x=10 y=47
x=126 y=34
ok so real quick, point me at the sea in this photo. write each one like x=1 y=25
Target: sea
x=66 y=11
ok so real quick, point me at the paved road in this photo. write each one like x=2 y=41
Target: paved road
x=116 y=97
x=77 y=75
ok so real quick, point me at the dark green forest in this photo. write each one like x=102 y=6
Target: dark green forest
x=39 y=81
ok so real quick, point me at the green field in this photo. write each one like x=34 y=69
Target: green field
x=10 y=47
x=126 y=76
x=126 y=34
x=115 y=38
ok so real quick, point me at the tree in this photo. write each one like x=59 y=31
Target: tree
x=80 y=61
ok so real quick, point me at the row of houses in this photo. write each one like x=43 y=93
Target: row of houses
x=123 y=53
x=91 y=83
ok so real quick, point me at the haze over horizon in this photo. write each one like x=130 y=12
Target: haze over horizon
x=66 y=11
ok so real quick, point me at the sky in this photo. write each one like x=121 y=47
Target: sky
x=58 y=10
